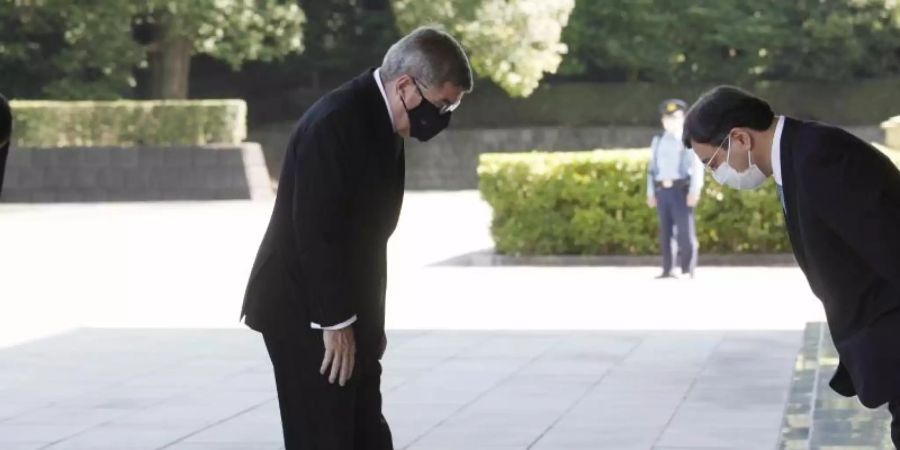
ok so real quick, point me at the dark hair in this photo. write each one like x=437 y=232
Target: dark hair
x=720 y=110
x=5 y=120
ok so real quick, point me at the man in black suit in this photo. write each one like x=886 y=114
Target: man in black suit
x=5 y=135
x=317 y=287
x=841 y=199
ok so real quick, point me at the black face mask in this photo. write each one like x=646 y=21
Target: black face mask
x=425 y=120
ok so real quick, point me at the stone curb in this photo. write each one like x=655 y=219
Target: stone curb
x=488 y=258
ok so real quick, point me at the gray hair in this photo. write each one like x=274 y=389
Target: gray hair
x=431 y=56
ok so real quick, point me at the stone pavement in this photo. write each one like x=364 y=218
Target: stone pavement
x=112 y=307
x=185 y=264
x=102 y=389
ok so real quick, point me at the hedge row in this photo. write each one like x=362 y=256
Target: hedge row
x=128 y=122
x=595 y=203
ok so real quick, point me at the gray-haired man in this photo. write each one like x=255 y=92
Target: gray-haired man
x=317 y=287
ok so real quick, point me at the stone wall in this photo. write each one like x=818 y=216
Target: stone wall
x=85 y=174
x=450 y=160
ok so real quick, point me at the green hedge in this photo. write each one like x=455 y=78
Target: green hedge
x=127 y=122
x=595 y=203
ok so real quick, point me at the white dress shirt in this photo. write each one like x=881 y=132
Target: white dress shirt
x=776 y=151
x=384 y=95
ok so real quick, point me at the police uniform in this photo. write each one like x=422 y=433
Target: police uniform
x=674 y=173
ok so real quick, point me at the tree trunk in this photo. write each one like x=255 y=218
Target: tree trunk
x=634 y=74
x=169 y=64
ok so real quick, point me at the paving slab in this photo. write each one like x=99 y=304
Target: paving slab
x=522 y=390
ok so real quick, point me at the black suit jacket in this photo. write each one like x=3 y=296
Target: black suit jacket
x=4 y=153
x=5 y=136
x=323 y=257
x=842 y=205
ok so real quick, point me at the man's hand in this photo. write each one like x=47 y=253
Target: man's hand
x=340 y=354
x=651 y=201
x=692 y=200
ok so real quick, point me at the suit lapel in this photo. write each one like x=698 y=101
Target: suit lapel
x=394 y=165
x=385 y=153
x=789 y=187
x=401 y=176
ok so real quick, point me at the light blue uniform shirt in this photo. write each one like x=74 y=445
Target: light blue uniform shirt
x=671 y=161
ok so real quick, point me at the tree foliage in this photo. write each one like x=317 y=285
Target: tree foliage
x=512 y=42
x=93 y=47
x=90 y=48
x=732 y=40
x=234 y=31
x=346 y=34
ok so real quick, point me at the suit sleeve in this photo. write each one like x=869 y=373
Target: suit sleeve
x=324 y=184
x=857 y=193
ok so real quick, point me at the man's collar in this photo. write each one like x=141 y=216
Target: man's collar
x=377 y=75
x=776 y=151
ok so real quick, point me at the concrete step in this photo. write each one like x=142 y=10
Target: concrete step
x=817 y=418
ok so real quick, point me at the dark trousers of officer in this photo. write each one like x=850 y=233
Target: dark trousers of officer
x=676 y=219
x=317 y=415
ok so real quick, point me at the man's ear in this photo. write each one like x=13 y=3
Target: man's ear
x=742 y=136
x=406 y=90
x=403 y=80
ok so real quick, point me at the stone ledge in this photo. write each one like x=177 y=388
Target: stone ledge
x=816 y=418
x=487 y=258
x=148 y=173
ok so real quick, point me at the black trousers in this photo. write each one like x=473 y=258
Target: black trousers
x=676 y=219
x=316 y=415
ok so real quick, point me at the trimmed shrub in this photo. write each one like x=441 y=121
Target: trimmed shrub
x=594 y=203
x=128 y=122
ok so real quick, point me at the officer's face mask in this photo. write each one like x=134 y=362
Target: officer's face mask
x=751 y=178
x=427 y=120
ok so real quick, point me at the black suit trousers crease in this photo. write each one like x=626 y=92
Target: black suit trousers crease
x=317 y=415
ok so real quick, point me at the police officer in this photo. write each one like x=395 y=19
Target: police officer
x=674 y=182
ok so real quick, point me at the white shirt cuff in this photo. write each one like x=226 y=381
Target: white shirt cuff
x=339 y=326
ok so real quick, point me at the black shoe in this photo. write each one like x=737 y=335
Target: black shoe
x=666 y=276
